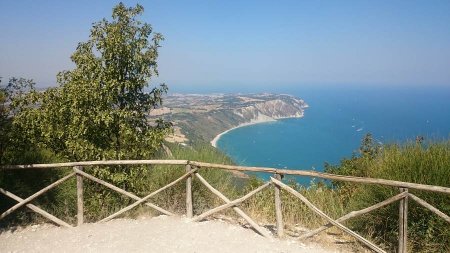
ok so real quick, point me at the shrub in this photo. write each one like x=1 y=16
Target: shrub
x=424 y=163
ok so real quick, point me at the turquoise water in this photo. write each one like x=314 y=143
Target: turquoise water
x=335 y=123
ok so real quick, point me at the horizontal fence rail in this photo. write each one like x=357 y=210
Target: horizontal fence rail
x=193 y=170
x=293 y=172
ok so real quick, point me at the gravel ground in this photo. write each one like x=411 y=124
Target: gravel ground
x=160 y=234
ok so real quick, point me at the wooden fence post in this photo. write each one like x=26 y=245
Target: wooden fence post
x=403 y=223
x=80 y=204
x=278 y=210
x=189 y=209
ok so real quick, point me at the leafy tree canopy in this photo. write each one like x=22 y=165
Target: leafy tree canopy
x=99 y=109
x=10 y=94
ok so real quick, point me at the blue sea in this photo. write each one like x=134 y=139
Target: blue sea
x=335 y=123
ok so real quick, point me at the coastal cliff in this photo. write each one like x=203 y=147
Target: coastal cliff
x=204 y=117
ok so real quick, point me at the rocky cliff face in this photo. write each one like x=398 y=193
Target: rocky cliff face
x=201 y=117
x=287 y=107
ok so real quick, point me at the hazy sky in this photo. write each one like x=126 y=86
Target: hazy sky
x=247 y=43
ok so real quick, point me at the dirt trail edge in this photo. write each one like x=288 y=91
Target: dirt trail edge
x=160 y=234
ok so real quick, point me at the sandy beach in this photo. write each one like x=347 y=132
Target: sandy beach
x=256 y=121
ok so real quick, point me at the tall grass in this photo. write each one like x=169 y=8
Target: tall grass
x=142 y=180
x=420 y=163
x=23 y=183
x=427 y=163
x=100 y=201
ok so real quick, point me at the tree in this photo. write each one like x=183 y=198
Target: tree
x=11 y=94
x=4 y=122
x=99 y=109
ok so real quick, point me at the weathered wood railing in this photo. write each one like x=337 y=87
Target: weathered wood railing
x=192 y=170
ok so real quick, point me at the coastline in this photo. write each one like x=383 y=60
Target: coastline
x=253 y=122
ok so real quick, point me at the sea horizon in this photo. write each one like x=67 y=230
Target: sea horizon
x=334 y=125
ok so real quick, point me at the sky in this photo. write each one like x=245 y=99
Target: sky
x=247 y=43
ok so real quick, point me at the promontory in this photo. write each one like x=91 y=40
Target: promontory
x=202 y=117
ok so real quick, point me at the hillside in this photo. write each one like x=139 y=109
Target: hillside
x=201 y=117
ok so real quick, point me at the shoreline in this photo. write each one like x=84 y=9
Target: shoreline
x=257 y=121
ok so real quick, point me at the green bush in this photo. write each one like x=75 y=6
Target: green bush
x=424 y=163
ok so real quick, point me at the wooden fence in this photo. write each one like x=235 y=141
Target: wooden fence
x=193 y=169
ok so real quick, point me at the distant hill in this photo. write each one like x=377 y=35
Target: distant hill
x=202 y=117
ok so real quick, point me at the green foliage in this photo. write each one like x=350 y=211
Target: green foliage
x=11 y=140
x=4 y=122
x=151 y=178
x=369 y=148
x=222 y=180
x=99 y=109
x=425 y=163
x=14 y=149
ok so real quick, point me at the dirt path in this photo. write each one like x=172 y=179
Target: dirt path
x=160 y=234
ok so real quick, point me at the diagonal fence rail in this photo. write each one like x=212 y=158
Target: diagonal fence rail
x=193 y=171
